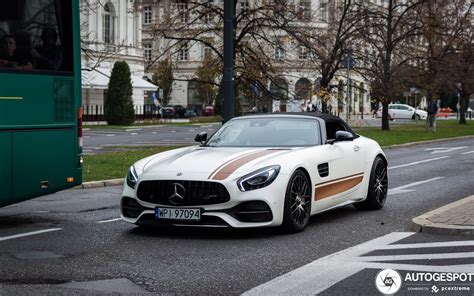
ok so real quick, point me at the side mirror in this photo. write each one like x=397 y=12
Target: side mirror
x=344 y=136
x=201 y=137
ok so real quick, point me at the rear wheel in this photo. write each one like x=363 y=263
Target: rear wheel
x=297 y=206
x=378 y=187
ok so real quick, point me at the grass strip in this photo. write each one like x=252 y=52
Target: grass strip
x=401 y=134
x=114 y=165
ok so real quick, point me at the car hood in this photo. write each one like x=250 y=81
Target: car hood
x=218 y=163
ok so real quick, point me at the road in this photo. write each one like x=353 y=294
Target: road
x=97 y=140
x=84 y=246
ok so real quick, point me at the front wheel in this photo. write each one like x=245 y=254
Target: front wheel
x=378 y=187
x=416 y=117
x=297 y=206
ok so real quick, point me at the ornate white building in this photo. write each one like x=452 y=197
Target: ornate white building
x=110 y=32
x=298 y=82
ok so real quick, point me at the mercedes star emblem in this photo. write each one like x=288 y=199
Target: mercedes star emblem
x=177 y=198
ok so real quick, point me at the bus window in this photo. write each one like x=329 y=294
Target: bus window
x=36 y=36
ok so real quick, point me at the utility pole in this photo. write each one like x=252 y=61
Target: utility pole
x=228 y=81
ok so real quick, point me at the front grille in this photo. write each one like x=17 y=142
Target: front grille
x=195 y=193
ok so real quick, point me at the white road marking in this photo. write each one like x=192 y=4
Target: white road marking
x=402 y=189
x=28 y=234
x=469 y=152
x=444 y=149
x=110 y=220
x=191 y=130
x=133 y=134
x=173 y=131
x=153 y=132
x=417 y=162
x=429 y=245
x=321 y=274
x=110 y=135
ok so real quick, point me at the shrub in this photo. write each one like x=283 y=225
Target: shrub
x=119 y=104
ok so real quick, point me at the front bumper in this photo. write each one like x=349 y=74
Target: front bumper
x=256 y=208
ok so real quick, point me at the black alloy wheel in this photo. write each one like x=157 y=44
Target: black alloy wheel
x=297 y=207
x=378 y=187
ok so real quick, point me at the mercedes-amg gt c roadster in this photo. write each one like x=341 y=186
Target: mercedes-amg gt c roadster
x=258 y=171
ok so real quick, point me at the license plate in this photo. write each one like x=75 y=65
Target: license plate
x=178 y=214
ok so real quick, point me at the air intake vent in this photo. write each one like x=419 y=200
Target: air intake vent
x=63 y=100
x=323 y=169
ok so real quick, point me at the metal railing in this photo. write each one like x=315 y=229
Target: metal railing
x=95 y=112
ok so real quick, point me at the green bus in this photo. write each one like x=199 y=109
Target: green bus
x=40 y=98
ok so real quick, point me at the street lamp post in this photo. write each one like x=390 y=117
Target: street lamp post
x=348 y=63
x=228 y=79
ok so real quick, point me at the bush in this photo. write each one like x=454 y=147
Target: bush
x=119 y=104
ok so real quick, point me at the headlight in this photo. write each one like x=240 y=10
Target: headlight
x=258 y=179
x=132 y=177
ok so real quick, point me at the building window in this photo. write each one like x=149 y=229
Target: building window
x=183 y=53
x=323 y=12
x=147 y=51
x=244 y=6
x=279 y=53
x=183 y=11
x=303 y=53
x=108 y=20
x=206 y=51
x=147 y=15
x=208 y=17
x=305 y=10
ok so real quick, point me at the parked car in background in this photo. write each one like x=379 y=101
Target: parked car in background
x=190 y=113
x=167 y=112
x=396 y=111
x=179 y=111
x=208 y=111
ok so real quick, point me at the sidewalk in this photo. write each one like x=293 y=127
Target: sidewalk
x=456 y=218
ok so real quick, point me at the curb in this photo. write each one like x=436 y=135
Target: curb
x=117 y=182
x=100 y=184
x=426 y=142
x=423 y=224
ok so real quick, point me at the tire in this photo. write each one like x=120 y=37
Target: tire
x=416 y=117
x=378 y=187
x=297 y=205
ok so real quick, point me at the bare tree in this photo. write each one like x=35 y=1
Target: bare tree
x=444 y=50
x=163 y=78
x=261 y=38
x=389 y=28
x=328 y=45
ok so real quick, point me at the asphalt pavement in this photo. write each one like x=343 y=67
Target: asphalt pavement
x=73 y=242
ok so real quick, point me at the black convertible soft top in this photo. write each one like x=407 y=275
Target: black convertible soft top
x=323 y=116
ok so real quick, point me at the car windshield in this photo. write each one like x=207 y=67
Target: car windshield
x=267 y=132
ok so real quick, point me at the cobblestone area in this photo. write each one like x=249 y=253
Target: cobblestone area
x=456 y=218
x=462 y=214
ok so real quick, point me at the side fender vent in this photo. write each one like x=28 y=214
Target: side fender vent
x=323 y=169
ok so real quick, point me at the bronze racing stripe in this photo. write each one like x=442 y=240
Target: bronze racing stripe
x=230 y=160
x=232 y=166
x=333 y=187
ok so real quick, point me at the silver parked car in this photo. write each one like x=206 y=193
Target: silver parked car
x=403 y=111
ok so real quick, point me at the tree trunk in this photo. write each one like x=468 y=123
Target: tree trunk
x=385 y=123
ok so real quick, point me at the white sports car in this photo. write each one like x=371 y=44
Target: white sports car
x=258 y=171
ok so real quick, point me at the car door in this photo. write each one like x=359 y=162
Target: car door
x=404 y=112
x=345 y=163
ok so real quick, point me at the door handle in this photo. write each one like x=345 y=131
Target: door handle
x=357 y=148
